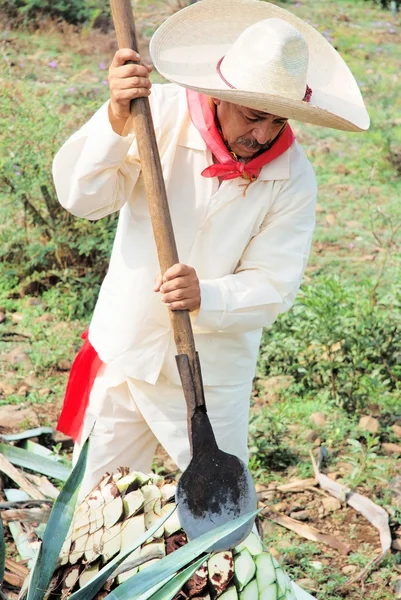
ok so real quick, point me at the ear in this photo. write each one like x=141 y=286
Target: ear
x=216 y=101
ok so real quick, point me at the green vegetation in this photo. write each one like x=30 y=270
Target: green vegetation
x=338 y=352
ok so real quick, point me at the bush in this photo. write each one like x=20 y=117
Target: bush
x=387 y=3
x=43 y=249
x=75 y=12
x=338 y=339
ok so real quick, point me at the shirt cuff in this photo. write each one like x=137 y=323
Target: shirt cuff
x=210 y=313
x=104 y=145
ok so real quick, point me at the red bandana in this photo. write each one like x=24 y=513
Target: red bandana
x=203 y=118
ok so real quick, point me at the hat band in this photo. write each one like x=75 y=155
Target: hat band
x=308 y=92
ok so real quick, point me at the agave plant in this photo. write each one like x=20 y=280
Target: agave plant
x=124 y=542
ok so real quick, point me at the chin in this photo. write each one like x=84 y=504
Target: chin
x=245 y=152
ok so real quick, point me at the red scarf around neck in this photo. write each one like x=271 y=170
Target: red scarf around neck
x=203 y=118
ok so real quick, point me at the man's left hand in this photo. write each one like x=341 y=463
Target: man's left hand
x=179 y=288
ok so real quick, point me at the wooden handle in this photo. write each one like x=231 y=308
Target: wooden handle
x=153 y=179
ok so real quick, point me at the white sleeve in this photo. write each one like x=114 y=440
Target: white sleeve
x=92 y=175
x=271 y=268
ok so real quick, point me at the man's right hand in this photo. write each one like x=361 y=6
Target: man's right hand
x=126 y=83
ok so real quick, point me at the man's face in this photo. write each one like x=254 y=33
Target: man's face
x=247 y=131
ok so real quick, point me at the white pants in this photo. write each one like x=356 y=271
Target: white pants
x=129 y=418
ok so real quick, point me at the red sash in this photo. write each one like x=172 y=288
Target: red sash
x=83 y=373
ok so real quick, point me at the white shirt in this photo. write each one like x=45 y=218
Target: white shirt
x=249 y=250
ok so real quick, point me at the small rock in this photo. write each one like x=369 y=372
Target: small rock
x=319 y=419
x=334 y=475
x=2 y=316
x=390 y=448
x=369 y=424
x=397 y=587
x=64 y=365
x=17 y=317
x=274 y=386
x=397 y=430
x=45 y=318
x=12 y=415
x=267 y=496
x=317 y=442
x=6 y=389
x=300 y=515
x=311 y=435
x=396 y=545
x=16 y=357
x=281 y=506
x=331 y=505
x=23 y=390
x=316 y=564
x=35 y=302
x=344 y=467
x=349 y=569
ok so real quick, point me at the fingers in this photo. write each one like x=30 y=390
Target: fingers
x=179 y=288
x=127 y=81
x=178 y=270
x=123 y=55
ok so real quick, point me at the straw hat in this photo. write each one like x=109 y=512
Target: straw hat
x=255 y=54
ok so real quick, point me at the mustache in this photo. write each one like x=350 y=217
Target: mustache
x=250 y=143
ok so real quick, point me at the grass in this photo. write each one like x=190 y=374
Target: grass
x=357 y=240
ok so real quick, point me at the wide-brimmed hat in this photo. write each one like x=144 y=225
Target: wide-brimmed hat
x=255 y=54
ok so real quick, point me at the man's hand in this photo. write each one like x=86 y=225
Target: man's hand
x=179 y=288
x=126 y=83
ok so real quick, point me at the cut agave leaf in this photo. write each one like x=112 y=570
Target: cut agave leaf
x=221 y=570
x=168 y=492
x=283 y=580
x=95 y=502
x=71 y=578
x=111 y=542
x=244 y=568
x=110 y=491
x=252 y=543
x=88 y=573
x=230 y=593
x=250 y=591
x=77 y=549
x=57 y=529
x=133 y=502
x=93 y=548
x=271 y=592
x=170 y=589
x=152 y=498
x=172 y=525
x=265 y=571
x=112 y=512
x=132 y=481
x=33 y=462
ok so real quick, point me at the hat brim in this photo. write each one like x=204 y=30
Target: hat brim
x=187 y=47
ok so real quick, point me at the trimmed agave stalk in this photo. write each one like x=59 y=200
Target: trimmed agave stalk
x=121 y=509
x=86 y=570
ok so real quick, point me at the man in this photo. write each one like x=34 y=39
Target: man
x=242 y=197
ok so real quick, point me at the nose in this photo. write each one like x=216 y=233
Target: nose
x=262 y=131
